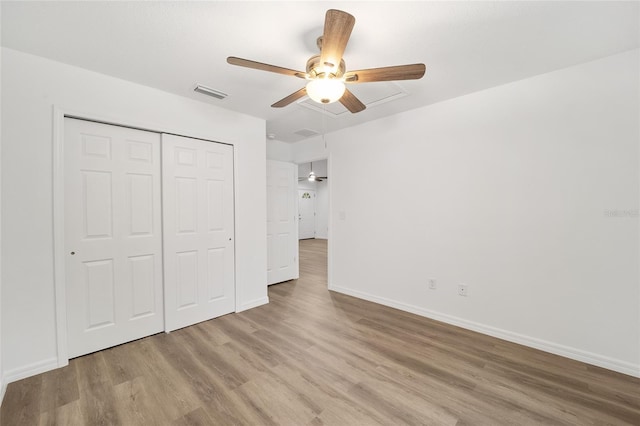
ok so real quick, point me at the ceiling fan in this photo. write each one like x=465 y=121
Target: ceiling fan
x=326 y=73
x=312 y=176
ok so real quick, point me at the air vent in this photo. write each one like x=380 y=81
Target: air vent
x=306 y=133
x=210 y=92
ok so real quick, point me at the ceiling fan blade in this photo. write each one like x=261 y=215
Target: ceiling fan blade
x=264 y=67
x=398 y=72
x=291 y=98
x=337 y=30
x=352 y=103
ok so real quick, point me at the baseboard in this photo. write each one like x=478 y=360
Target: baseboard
x=29 y=370
x=253 y=304
x=532 y=342
x=3 y=389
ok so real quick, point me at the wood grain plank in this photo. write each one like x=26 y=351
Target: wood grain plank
x=21 y=404
x=69 y=414
x=59 y=388
x=120 y=363
x=97 y=400
x=135 y=405
x=170 y=390
x=197 y=417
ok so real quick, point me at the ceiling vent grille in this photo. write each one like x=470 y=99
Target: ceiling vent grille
x=210 y=92
x=306 y=133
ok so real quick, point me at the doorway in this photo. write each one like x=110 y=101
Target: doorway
x=282 y=227
x=306 y=214
x=313 y=200
x=318 y=189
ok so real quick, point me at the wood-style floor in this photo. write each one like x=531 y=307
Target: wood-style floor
x=313 y=357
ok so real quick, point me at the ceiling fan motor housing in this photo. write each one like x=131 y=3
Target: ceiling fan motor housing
x=316 y=69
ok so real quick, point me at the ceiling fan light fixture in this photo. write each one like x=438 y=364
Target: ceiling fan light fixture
x=325 y=90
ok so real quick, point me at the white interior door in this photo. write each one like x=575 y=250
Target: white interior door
x=113 y=237
x=282 y=230
x=198 y=230
x=306 y=214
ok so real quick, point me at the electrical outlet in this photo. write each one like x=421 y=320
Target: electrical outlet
x=433 y=284
x=463 y=290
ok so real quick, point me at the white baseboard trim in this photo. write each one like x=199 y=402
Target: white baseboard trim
x=253 y=304
x=3 y=389
x=30 y=370
x=543 y=345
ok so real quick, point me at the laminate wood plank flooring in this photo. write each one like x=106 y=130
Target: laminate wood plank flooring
x=314 y=357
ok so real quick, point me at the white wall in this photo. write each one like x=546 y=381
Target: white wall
x=322 y=210
x=305 y=184
x=279 y=151
x=32 y=87
x=527 y=192
x=311 y=149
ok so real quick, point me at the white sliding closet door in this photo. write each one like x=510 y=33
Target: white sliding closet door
x=282 y=228
x=113 y=237
x=198 y=224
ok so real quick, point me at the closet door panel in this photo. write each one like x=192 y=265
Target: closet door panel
x=113 y=241
x=198 y=230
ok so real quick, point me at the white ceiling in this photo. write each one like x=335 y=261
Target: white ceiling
x=467 y=46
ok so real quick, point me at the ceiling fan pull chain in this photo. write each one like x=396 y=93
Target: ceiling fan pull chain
x=324 y=125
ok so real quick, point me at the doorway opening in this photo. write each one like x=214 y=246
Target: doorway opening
x=313 y=217
x=313 y=200
x=297 y=217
